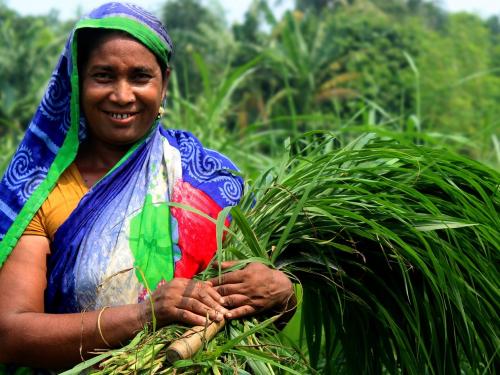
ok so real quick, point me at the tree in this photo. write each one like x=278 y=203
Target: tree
x=460 y=85
x=196 y=29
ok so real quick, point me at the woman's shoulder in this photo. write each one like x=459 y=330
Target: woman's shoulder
x=206 y=169
x=192 y=149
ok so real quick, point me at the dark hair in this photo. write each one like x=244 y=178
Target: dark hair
x=89 y=39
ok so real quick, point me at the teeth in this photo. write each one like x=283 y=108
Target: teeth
x=120 y=116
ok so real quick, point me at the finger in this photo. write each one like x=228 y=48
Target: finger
x=211 y=298
x=214 y=294
x=228 y=289
x=206 y=294
x=188 y=317
x=225 y=265
x=216 y=280
x=198 y=308
x=241 y=312
x=236 y=300
x=201 y=290
x=233 y=277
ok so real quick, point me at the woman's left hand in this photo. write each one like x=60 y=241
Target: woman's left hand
x=253 y=289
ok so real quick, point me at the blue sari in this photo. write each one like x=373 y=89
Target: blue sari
x=125 y=237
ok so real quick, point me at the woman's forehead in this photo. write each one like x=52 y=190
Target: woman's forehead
x=116 y=38
x=123 y=50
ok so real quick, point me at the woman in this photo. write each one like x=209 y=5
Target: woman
x=85 y=225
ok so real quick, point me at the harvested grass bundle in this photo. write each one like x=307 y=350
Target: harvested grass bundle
x=246 y=347
x=397 y=249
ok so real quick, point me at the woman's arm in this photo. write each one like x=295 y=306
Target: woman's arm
x=30 y=337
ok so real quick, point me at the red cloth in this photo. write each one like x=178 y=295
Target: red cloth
x=197 y=235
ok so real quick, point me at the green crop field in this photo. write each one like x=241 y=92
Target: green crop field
x=367 y=132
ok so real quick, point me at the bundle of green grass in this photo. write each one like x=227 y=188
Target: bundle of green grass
x=396 y=247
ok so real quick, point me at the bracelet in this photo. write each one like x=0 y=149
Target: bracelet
x=99 y=326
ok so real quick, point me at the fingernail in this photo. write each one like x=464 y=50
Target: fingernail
x=222 y=301
x=228 y=315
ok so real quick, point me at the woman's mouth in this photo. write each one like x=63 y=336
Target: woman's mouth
x=120 y=116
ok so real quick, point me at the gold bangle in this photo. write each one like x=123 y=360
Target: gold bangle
x=99 y=326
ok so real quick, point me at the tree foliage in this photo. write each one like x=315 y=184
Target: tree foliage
x=412 y=64
x=197 y=31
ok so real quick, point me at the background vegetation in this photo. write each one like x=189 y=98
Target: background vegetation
x=407 y=65
x=404 y=67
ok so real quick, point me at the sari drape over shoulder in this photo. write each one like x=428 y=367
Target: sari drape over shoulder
x=129 y=232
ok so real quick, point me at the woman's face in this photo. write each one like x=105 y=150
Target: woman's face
x=122 y=90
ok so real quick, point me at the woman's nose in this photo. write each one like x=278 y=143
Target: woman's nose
x=123 y=92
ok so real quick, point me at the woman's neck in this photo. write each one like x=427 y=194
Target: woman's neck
x=94 y=159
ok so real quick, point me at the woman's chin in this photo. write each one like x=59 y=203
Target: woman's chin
x=122 y=136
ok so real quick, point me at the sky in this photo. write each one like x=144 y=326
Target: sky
x=235 y=9
x=483 y=7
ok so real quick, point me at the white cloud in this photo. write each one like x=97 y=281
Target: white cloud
x=482 y=7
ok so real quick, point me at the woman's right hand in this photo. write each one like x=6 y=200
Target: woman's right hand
x=184 y=301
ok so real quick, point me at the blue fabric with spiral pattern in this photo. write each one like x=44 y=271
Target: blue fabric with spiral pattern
x=37 y=151
x=206 y=169
x=49 y=127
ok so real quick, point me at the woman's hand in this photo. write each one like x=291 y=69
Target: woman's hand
x=254 y=289
x=184 y=301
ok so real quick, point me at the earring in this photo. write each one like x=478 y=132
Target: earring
x=161 y=111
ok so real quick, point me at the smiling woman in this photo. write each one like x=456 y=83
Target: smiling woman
x=85 y=214
x=122 y=89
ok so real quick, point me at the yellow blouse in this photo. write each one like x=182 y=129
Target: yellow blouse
x=62 y=200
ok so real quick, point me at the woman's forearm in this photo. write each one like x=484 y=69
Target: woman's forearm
x=57 y=341
x=30 y=337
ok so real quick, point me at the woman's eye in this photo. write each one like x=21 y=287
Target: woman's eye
x=101 y=76
x=142 y=77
